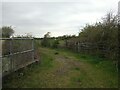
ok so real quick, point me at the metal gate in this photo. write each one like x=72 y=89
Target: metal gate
x=16 y=53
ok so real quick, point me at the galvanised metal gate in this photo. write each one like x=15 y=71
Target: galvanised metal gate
x=16 y=53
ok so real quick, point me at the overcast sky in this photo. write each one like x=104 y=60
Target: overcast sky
x=59 y=17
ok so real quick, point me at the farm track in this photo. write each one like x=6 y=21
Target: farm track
x=65 y=71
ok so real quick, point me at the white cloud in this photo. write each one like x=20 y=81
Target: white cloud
x=58 y=17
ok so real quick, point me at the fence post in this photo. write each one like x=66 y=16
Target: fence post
x=78 y=47
x=11 y=61
x=33 y=49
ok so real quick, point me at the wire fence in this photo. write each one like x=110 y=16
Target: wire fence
x=100 y=49
x=16 y=53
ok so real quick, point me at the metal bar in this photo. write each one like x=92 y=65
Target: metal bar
x=17 y=53
x=15 y=38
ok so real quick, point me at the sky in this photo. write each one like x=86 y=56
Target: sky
x=60 y=17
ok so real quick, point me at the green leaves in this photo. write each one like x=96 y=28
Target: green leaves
x=7 y=31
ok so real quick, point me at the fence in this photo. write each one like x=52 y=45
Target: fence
x=16 y=53
x=101 y=49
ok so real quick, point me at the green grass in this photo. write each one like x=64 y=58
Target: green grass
x=102 y=70
x=65 y=69
x=16 y=80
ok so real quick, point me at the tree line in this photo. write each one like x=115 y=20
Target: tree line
x=100 y=39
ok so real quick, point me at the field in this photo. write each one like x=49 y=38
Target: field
x=59 y=68
x=60 y=45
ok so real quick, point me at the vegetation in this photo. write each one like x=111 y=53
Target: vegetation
x=100 y=39
x=104 y=33
x=48 y=41
x=88 y=60
x=65 y=70
x=7 y=31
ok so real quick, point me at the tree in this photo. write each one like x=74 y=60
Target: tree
x=102 y=35
x=46 y=42
x=7 y=31
x=47 y=35
x=55 y=43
